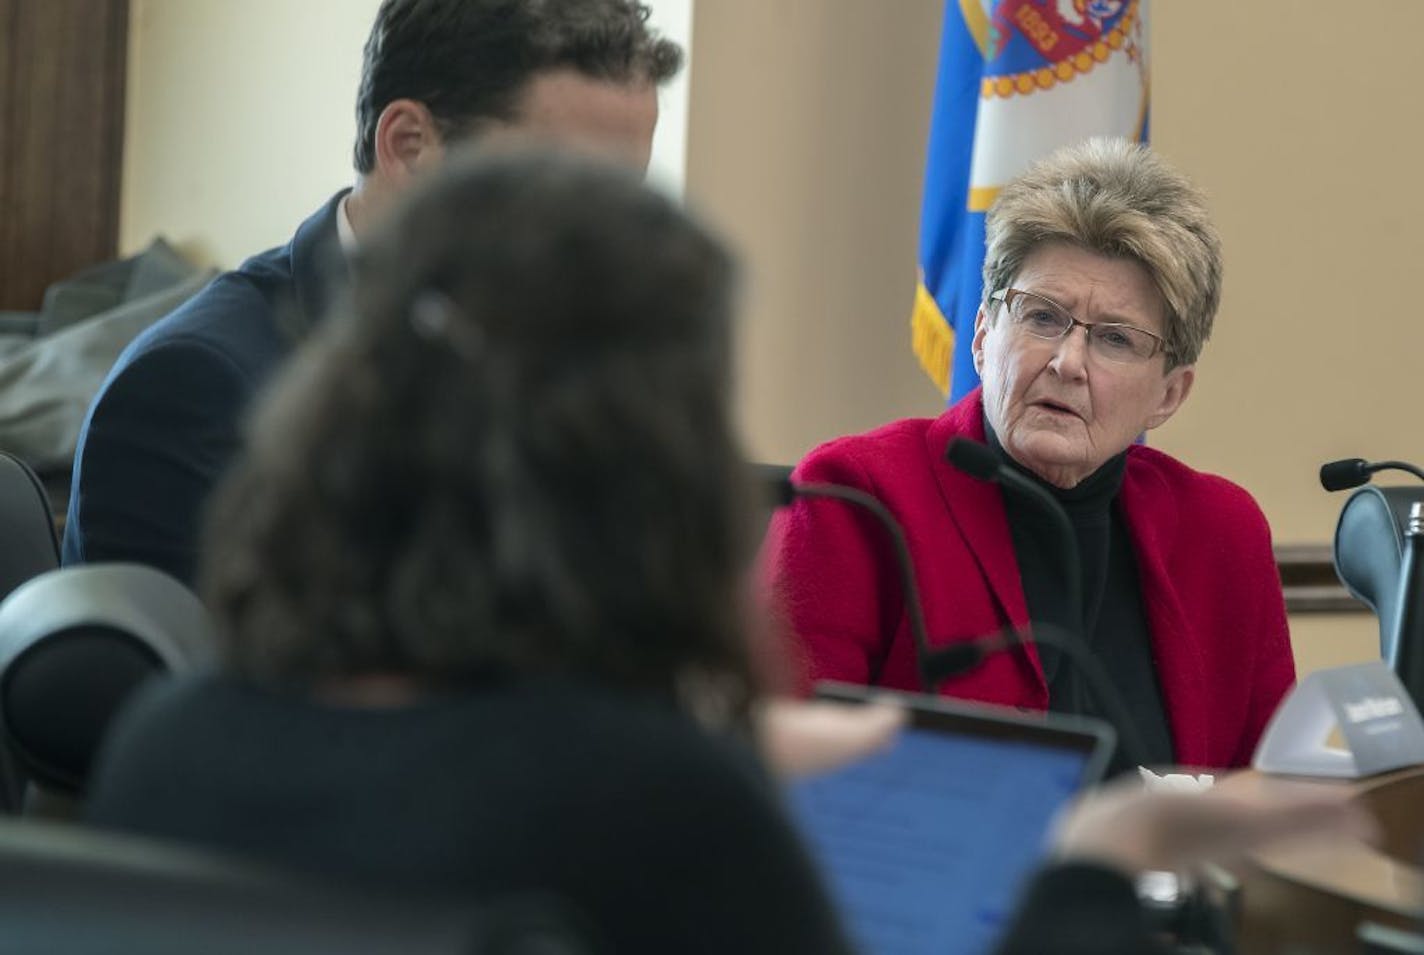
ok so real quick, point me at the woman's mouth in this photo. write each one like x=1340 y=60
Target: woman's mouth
x=1056 y=408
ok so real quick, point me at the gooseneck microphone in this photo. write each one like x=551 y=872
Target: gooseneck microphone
x=934 y=665
x=1352 y=472
x=979 y=461
x=962 y=657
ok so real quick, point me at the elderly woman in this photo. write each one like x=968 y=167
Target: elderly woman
x=1102 y=278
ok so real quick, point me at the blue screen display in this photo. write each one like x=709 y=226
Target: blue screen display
x=926 y=844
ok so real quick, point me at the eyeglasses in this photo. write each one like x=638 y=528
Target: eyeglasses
x=1044 y=318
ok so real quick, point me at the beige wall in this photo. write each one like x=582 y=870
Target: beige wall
x=808 y=122
x=806 y=145
x=240 y=119
x=1314 y=171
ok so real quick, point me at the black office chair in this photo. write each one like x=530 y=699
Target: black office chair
x=74 y=645
x=28 y=545
x=70 y=891
x=1369 y=549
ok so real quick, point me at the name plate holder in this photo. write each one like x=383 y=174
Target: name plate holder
x=1375 y=715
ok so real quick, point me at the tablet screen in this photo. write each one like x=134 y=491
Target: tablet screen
x=926 y=844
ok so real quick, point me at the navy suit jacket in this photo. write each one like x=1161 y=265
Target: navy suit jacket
x=167 y=421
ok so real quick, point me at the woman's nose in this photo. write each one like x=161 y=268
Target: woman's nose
x=1070 y=354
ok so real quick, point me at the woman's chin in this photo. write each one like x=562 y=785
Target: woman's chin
x=1057 y=459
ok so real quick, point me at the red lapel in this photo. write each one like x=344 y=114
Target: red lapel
x=1151 y=515
x=977 y=509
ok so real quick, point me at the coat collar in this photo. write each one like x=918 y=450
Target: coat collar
x=1151 y=511
x=977 y=509
x=317 y=264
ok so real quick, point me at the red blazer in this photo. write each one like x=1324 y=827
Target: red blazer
x=1210 y=588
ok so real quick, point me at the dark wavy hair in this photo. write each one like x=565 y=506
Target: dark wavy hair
x=508 y=451
x=469 y=60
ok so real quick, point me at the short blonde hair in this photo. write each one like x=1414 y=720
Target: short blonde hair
x=1118 y=199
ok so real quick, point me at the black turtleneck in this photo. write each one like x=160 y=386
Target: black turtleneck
x=1114 y=625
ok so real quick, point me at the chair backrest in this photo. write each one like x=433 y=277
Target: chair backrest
x=1369 y=550
x=70 y=891
x=74 y=645
x=28 y=545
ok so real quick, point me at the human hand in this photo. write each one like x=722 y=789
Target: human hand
x=1135 y=830
x=800 y=737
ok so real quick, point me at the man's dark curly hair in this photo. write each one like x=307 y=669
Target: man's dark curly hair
x=508 y=451
x=469 y=60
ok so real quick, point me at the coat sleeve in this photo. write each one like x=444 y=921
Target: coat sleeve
x=830 y=571
x=156 y=441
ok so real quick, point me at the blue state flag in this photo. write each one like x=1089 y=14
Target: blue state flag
x=1017 y=79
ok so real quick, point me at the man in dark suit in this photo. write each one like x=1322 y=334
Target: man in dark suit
x=436 y=73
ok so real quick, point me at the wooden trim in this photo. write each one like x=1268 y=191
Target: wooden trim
x=1309 y=580
x=63 y=69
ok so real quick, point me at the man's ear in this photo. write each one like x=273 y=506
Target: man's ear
x=1177 y=386
x=407 y=140
x=981 y=328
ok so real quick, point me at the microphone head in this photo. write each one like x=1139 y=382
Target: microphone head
x=774 y=483
x=1344 y=474
x=974 y=459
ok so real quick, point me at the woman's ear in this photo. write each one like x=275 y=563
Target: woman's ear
x=981 y=327
x=408 y=141
x=1177 y=384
